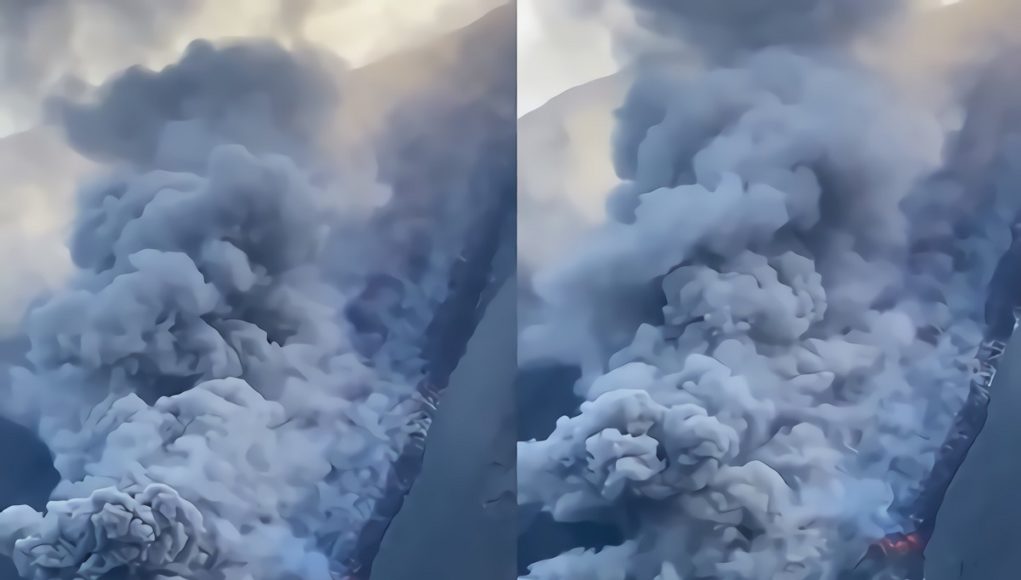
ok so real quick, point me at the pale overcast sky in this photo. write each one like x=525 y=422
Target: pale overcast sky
x=557 y=51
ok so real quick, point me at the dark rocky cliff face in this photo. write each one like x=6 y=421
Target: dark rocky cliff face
x=977 y=530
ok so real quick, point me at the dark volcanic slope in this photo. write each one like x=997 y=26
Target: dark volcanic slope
x=458 y=522
x=980 y=523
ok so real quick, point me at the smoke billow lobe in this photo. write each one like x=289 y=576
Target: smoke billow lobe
x=737 y=25
x=253 y=93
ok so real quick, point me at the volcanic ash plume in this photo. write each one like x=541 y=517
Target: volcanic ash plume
x=211 y=410
x=729 y=24
x=773 y=327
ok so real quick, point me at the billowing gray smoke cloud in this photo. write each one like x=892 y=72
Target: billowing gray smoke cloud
x=231 y=374
x=774 y=326
x=726 y=25
x=255 y=93
x=200 y=284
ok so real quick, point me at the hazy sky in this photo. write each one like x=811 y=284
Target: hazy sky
x=558 y=50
